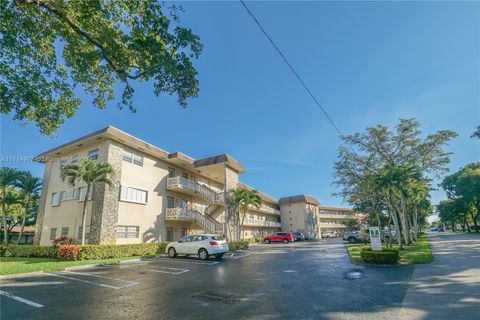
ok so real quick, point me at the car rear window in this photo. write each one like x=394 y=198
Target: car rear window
x=219 y=238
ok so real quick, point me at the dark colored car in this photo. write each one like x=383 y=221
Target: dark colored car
x=284 y=237
x=299 y=236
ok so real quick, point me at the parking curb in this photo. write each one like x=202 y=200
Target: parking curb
x=20 y=275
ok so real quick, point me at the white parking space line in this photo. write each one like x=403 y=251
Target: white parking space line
x=233 y=256
x=169 y=270
x=268 y=252
x=129 y=283
x=30 y=303
x=208 y=263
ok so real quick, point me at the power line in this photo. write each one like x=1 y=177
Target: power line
x=292 y=69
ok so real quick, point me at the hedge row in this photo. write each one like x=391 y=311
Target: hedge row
x=240 y=245
x=386 y=256
x=87 y=252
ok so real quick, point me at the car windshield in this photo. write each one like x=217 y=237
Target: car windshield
x=219 y=238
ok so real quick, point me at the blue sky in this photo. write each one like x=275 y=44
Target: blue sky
x=367 y=62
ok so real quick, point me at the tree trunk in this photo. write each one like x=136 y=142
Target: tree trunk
x=84 y=213
x=467 y=225
x=4 y=217
x=394 y=217
x=404 y=220
x=415 y=222
x=27 y=200
x=474 y=218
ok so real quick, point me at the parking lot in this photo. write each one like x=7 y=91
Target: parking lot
x=301 y=280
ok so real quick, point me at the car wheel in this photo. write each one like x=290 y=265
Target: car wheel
x=203 y=254
x=172 y=253
x=285 y=241
x=219 y=255
x=267 y=241
x=352 y=240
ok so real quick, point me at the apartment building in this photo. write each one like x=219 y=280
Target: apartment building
x=304 y=213
x=156 y=195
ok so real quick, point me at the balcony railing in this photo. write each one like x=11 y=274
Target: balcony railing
x=204 y=191
x=208 y=223
x=266 y=209
x=332 y=225
x=261 y=223
x=339 y=216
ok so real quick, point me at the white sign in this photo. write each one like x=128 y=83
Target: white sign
x=375 y=239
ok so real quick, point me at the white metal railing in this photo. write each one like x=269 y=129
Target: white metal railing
x=265 y=208
x=193 y=186
x=339 y=216
x=208 y=223
x=261 y=223
x=332 y=225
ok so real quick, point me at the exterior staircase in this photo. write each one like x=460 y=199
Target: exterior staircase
x=206 y=219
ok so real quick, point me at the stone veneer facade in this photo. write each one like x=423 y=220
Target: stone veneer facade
x=104 y=215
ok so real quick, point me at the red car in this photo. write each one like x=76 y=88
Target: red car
x=284 y=237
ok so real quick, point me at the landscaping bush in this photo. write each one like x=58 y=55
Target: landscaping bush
x=15 y=250
x=3 y=247
x=95 y=252
x=68 y=252
x=386 y=256
x=62 y=241
x=240 y=245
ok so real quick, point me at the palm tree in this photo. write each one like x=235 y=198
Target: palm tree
x=242 y=200
x=89 y=172
x=29 y=187
x=8 y=177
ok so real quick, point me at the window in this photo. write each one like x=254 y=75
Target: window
x=93 y=154
x=132 y=158
x=64 y=231
x=69 y=194
x=74 y=160
x=133 y=195
x=62 y=164
x=170 y=202
x=53 y=233
x=55 y=201
x=170 y=234
x=87 y=234
x=127 y=231
x=171 y=172
x=82 y=191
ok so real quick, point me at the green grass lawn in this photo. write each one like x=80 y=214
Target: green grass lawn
x=417 y=253
x=13 y=265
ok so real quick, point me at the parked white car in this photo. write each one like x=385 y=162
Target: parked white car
x=203 y=245
x=329 y=235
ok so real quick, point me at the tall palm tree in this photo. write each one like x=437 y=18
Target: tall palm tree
x=8 y=177
x=89 y=172
x=30 y=188
x=243 y=200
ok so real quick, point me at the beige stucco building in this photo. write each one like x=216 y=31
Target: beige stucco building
x=156 y=195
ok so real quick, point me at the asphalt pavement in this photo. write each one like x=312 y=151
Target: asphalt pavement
x=302 y=280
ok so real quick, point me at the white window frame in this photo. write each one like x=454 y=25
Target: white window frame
x=68 y=194
x=128 y=232
x=54 y=232
x=133 y=158
x=55 y=200
x=81 y=193
x=64 y=231
x=135 y=195
x=93 y=154
x=87 y=233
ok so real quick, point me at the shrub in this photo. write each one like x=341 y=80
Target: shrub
x=14 y=250
x=3 y=247
x=62 y=241
x=68 y=252
x=95 y=252
x=386 y=256
x=240 y=245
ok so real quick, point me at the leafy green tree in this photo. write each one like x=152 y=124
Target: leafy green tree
x=451 y=211
x=50 y=47
x=243 y=200
x=8 y=178
x=465 y=185
x=89 y=172
x=379 y=154
x=29 y=187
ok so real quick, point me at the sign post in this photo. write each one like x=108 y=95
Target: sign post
x=375 y=239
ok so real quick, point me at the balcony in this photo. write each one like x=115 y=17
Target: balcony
x=183 y=185
x=261 y=223
x=336 y=216
x=332 y=225
x=266 y=209
x=179 y=214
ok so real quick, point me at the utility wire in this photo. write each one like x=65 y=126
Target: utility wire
x=250 y=13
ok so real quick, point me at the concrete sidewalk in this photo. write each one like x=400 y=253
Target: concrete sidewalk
x=448 y=288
